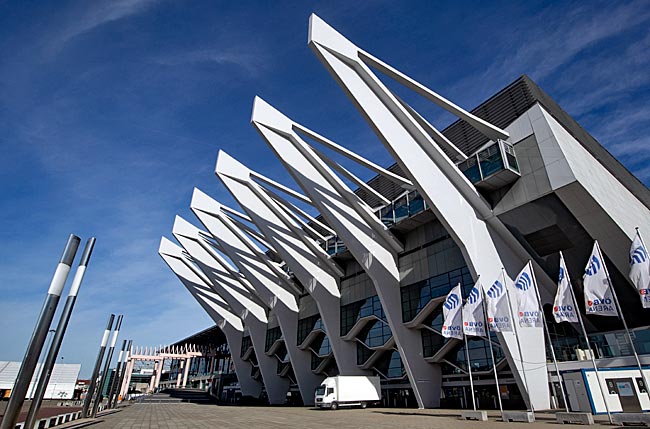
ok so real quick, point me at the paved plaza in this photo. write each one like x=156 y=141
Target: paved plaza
x=188 y=415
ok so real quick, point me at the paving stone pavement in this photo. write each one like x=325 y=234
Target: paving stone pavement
x=187 y=415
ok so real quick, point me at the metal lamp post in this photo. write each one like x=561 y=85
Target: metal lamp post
x=39 y=335
x=48 y=365
x=98 y=364
x=109 y=357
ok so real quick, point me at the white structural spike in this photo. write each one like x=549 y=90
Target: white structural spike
x=240 y=301
x=285 y=189
x=486 y=244
x=310 y=263
x=298 y=214
x=354 y=157
x=230 y=324
x=273 y=287
x=253 y=233
x=321 y=34
x=374 y=247
x=350 y=176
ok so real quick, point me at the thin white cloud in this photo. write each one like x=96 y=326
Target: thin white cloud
x=93 y=15
x=251 y=62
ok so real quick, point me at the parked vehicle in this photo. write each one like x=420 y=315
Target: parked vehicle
x=348 y=391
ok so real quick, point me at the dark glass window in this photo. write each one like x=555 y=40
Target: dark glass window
x=246 y=343
x=416 y=203
x=470 y=169
x=272 y=335
x=479 y=354
x=306 y=325
x=417 y=295
x=352 y=312
x=390 y=365
x=386 y=215
x=490 y=160
x=376 y=334
x=431 y=342
x=363 y=354
x=401 y=209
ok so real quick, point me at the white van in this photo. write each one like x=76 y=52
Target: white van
x=347 y=391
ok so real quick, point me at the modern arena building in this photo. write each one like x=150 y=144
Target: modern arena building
x=355 y=285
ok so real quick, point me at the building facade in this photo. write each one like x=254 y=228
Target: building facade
x=355 y=284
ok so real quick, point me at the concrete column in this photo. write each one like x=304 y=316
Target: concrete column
x=270 y=284
x=161 y=364
x=488 y=246
x=216 y=308
x=188 y=362
x=127 y=379
x=369 y=241
x=152 y=381
x=308 y=261
x=179 y=377
x=236 y=291
x=248 y=386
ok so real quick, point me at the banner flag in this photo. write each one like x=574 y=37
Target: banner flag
x=640 y=270
x=473 y=316
x=452 y=326
x=527 y=305
x=598 y=291
x=563 y=306
x=498 y=312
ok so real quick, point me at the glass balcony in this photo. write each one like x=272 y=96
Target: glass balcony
x=406 y=205
x=493 y=167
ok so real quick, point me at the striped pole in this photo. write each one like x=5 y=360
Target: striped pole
x=52 y=354
x=98 y=364
x=111 y=390
x=39 y=335
x=109 y=357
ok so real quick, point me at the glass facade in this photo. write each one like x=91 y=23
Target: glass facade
x=282 y=353
x=406 y=205
x=246 y=343
x=352 y=312
x=479 y=355
x=308 y=324
x=375 y=334
x=569 y=344
x=490 y=160
x=363 y=354
x=431 y=342
x=417 y=295
x=390 y=366
x=493 y=159
x=272 y=335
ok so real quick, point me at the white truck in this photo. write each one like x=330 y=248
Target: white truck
x=347 y=391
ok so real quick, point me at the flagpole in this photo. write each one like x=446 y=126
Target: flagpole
x=516 y=332
x=622 y=317
x=584 y=332
x=640 y=238
x=646 y=250
x=469 y=369
x=489 y=340
x=548 y=336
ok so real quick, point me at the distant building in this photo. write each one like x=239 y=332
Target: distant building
x=62 y=383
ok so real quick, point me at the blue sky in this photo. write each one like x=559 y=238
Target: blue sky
x=112 y=111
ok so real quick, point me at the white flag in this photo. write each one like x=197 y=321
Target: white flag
x=527 y=305
x=498 y=312
x=598 y=291
x=473 y=317
x=452 y=327
x=563 y=307
x=640 y=270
